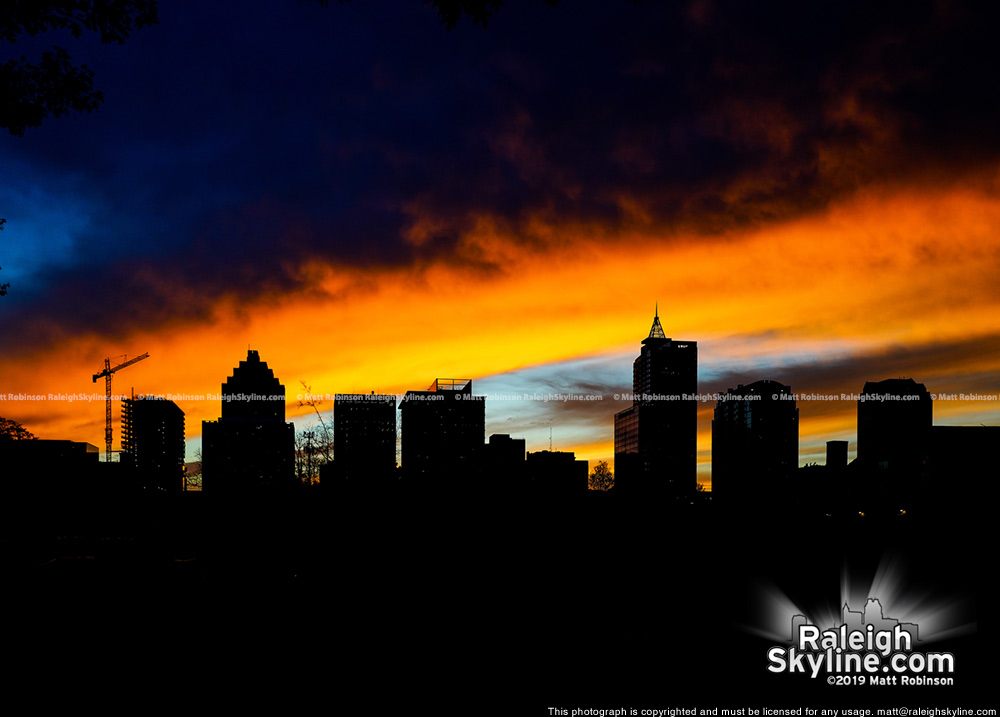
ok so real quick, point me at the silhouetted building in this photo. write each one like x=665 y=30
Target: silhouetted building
x=656 y=438
x=830 y=489
x=557 y=472
x=503 y=462
x=962 y=465
x=506 y=450
x=364 y=431
x=836 y=455
x=443 y=430
x=755 y=443
x=153 y=443
x=894 y=422
x=50 y=466
x=250 y=447
x=889 y=476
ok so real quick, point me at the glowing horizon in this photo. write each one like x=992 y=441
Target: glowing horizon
x=571 y=301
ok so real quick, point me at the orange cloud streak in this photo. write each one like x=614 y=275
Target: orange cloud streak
x=907 y=267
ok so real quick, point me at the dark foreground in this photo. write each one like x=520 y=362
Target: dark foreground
x=466 y=606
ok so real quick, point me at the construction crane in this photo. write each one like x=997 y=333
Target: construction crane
x=106 y=373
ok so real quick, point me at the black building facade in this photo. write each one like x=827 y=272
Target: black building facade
x=755 y=442
x=51 y=467
x=962 y=463
x=557 y=472
x=443 y=431
x=364 y=430
x=503 y=463
x=251 y=447
x=894 y=423
x=656 y=438
x=153 y=443
x=836 y=455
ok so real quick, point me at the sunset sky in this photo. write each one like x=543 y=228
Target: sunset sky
x=372 y=201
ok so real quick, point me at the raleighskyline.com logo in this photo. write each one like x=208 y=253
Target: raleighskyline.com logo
x=867 y=648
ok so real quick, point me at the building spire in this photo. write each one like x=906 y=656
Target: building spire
x=656 y=332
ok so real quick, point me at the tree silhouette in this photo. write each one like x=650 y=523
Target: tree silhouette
x=313 y=447
x=192 y=478
x=601 y=478
x=312 y=451
x=30 y=91
x=54 y=85
x=13 y=431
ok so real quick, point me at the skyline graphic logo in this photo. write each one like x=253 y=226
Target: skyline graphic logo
x=866 y=648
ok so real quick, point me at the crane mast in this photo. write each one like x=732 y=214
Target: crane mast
x=106 y=373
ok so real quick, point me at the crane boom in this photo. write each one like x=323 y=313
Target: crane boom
x=106 y=374
x=108 y=369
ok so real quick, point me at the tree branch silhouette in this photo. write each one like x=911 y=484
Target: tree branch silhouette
x=30 y=91
x=11 y=430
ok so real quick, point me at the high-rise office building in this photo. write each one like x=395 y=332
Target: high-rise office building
x=656 y=438
x=557 y=472
x=755 y=442
x=894 y=423
x=364 y=431
x=963 y=466
x=443 y=430
x=153 y=443
x=250 y=447
x=836 y=455
x=503 y=463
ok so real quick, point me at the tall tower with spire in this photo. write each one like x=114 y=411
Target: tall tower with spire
x=656 y=438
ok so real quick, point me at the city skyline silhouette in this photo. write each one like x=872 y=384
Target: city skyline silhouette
x=824 y=276
x=321 y=199
x=440 y=443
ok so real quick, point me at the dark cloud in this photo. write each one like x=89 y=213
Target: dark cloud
x=850 y=372
x=962 y=360
x=237 y=142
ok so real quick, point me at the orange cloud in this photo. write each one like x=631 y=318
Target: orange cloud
x=901 y=267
